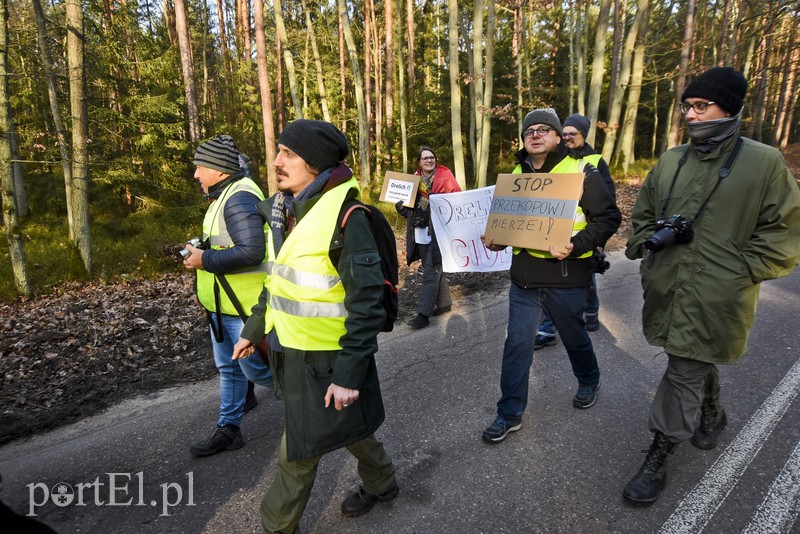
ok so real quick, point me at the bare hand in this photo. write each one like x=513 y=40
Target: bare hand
x=342 y=397
x=243 y=349
x=195 y=259
x=561 y=255
x=489 y=243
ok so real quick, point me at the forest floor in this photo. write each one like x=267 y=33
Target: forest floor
x=83 y=348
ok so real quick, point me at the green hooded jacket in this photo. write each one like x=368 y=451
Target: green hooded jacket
x=700 y=297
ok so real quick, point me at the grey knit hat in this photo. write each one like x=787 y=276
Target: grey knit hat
x=579 y=122
x=321 y=144
x=546 y=116
x=219 y=153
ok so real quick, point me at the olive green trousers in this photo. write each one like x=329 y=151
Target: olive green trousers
x=285 y=500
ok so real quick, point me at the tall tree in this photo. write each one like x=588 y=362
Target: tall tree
x=13 y=234
x=266 y=96
x=680 y=84
x=323 y=97
x=484 y=97
x=187 y=67
x=389 y=83
x=358 y=82
x=288 y=60
x=626 y=55
x=598 y=69
x=80 y=132
x=55 y=109
x=455 y=94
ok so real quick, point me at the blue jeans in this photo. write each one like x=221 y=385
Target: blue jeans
x=525 y=306
x=233 y=375
x=547 y=327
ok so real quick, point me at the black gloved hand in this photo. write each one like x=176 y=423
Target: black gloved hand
x=399 y=206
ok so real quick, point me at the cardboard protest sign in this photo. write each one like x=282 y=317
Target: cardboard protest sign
x=458 y=222
x=399 y=186
x=534 y=210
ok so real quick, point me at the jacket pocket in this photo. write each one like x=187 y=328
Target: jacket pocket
x=329 y=428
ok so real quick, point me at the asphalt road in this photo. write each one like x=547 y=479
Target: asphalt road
x=562 y=472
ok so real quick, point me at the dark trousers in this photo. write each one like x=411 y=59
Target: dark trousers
x=683 y=388
x=286 y=499
x=435 y=291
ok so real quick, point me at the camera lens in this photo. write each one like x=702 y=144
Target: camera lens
x=661 y=240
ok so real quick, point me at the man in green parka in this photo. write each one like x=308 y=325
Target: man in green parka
x=321 y=308
x=714 y=219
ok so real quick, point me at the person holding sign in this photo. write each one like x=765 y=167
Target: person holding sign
x=575 y=129
x=434 y=295
x=554 y=280
x=714 y=218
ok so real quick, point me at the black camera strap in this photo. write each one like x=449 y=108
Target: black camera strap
x=216 y=329
x=724 y=172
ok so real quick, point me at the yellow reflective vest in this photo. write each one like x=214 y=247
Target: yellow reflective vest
x=566 y=166
x=246 y=283
x=306 y=295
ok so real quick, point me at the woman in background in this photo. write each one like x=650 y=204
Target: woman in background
x=434 y=295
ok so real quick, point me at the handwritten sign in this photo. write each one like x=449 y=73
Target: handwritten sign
x=458 y=222
x=399 y=186
x=534 y=211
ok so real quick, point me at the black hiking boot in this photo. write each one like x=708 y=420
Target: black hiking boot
x=711 y=424
x=646 y=486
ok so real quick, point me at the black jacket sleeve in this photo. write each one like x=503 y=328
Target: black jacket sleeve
x=246 y=228
x=602 y=215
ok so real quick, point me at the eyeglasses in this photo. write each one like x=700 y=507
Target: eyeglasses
x=570 y=135
x=541 y=130
x=428 y=158
x=698 y=107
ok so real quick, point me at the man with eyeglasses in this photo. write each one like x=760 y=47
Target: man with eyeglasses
x=575 y=130
x=555 y=280
x=714 y=219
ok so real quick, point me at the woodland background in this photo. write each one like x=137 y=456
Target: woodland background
x=102 y=102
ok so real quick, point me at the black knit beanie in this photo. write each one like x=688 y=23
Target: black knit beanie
x=722 y=85
x=321 y=144
x=219 y=153
x=546 y=116
x=579 y=122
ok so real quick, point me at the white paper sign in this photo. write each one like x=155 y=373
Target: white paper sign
x=399 y=190
x=459 y=219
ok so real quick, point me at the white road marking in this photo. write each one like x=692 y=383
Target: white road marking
x=781 y=506
x=696 y=509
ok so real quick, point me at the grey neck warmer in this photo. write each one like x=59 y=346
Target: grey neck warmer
x=708 y=135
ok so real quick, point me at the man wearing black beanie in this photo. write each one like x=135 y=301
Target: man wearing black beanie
x=321 y=308
x=731 y=220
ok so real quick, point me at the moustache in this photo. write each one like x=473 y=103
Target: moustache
x=281 y=172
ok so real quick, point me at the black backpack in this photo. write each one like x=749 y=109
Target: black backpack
x=387 y=249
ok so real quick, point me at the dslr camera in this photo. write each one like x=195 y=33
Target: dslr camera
x=196 y=243
x=675 y=229
x=599 y=262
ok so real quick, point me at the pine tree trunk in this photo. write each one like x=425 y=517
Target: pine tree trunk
x=266 y=97
x=680 y=84
x=80 y=132
x=288 y=60
x=615 y=107
x=323 y=97
x=16 y=249
x=358 y=82
x=455 y=94
x=598 y=71
x=187 y=67
x=55 y=110
x=486 y=116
